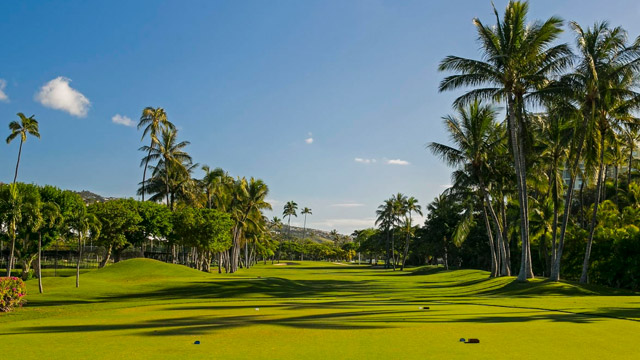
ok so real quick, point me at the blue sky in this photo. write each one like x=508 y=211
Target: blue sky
x=248 y=83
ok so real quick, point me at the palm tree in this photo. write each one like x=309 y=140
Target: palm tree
x=411 y=206
x=290 y=209
x=478 y=138
x=304 y=212
x=519 y=58
x=27 y=125
x=601 y=83
x=173 y=162
x=153 y=120
x=213 y=183
x=248 y=201
x=385 y=219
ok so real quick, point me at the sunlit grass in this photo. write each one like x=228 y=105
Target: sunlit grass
x=148 y=309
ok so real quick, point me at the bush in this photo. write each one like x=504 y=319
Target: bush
x=12 y=293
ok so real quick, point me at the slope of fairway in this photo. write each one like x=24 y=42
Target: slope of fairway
x=313 y=310
x=144 y=270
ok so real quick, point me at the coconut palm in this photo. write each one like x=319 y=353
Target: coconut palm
x=385 y=219
x=602 y=81
x=411 y=206
x=290 y=209
x=518 y=58
x=173 y=162
x=306 y=211
x=153 y=120
x=213 y=183
x=477 y=138
x=27 y=125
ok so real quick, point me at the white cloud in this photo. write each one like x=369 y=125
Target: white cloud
x=397 y=162
x=122 y=120
x=57 y=94
x=309 y=140
x=364 y=161
x=347 y=205
x=3 y=95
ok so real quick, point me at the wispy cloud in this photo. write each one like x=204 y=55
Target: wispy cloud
x=347 y=205
x=57 y=94
x=122 y=120
x=309 y=140
x=364 y=161
x=3 y=95
x=397 y=162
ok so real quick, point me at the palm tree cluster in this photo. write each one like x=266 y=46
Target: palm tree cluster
x=394 y=217
x=569 y=117
x=172 y=182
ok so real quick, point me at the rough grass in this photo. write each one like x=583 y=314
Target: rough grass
x=307 y=310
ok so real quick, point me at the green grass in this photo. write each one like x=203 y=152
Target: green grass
x=309 y=310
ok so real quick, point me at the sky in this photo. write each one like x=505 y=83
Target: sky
x=331 y=103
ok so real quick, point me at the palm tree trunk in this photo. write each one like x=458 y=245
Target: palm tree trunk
x=505 y=235
x=406 y=246
x=144 y=172
x=494 y=270
x=304 y=231
x=585 y=264
x=393 y=249
x=15 y=177
x=518 y=157
x=631 y=146
x=615 y=183
x=11 y=253
x=40 y=262
x=555 y=271
x=78 y=262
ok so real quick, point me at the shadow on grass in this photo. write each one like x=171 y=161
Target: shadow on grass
x=348 y=320
x=252 y=288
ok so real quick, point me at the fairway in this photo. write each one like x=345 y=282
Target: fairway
x=148 y=309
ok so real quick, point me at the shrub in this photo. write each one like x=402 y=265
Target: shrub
x=12 y=293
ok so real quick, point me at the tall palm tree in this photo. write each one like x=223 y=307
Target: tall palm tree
x=27 y=125
x=304 y=212
x=518 y=59
x=385 y=219
x=172 y=159
x=248 y=202
x=411 y=206
x=153 y=120
x=290 y=209
x=213 y=183
x=478 y=138
x=602 y=77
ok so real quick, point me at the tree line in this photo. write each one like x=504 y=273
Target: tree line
x=550 y=184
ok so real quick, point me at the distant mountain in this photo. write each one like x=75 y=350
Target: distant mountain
x=90 y=198
x=319 y=236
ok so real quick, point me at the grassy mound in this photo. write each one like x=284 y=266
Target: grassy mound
x=143 y=269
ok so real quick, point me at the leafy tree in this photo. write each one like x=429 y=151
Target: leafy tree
x=119 y=222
